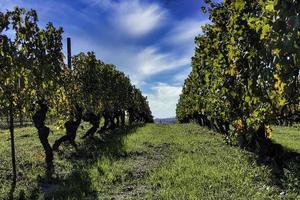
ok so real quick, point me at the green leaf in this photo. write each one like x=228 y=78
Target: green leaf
x=265 y=31
x=270 y=6
x=247 y=99
x=239 y=4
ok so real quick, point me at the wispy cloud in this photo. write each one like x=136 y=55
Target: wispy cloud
x=134 y=17
x=182 y=75
x=185 y=31
x=151 y=61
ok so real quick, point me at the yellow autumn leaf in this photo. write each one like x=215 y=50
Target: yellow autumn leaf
x=276 y=52
x=268 y=132
x=232 y=71
x=270 y=6
x=239 y=4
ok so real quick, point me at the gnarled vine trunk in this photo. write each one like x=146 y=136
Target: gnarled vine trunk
x=71 y=130
x=112 y=122
x=43 y=131
x=94 y=120
x=131 y=116
x=118 y=120
x=122 y=118
x=106 y=121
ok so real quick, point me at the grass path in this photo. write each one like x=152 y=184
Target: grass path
x=288 y=136
x=181 y=161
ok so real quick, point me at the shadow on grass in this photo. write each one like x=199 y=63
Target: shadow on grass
x=12 y=190
x=284 y=164
x=78 y=184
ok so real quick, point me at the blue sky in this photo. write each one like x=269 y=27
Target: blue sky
x=151 y=41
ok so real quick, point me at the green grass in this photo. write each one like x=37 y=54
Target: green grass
x=287 y=136
x=181 y=161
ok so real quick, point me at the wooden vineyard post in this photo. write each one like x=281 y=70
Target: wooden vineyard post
x=69 y=52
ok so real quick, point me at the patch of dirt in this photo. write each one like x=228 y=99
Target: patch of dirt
x=134 y=185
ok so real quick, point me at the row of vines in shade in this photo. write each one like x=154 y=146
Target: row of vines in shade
x=245 y=70
x=35 y=81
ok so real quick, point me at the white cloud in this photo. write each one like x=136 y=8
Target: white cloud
x=150 y=61
x=185 y=32
x=133 y=17
x=138 y=19
x=181 y=76
x=163 y=100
